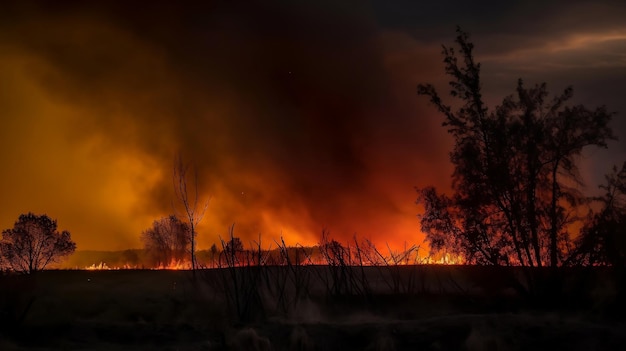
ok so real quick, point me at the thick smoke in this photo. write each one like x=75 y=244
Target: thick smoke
x=289 y=114
x=297 y=116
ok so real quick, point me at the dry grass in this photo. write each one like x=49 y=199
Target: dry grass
x=450 y=309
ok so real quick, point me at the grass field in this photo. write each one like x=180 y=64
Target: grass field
x=309 y=308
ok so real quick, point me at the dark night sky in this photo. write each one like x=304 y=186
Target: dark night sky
x=298 y=115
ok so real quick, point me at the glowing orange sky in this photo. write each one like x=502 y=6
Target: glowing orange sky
x=297 y=118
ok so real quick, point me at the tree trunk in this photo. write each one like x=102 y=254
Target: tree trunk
x=193 y=247
x=553 y=217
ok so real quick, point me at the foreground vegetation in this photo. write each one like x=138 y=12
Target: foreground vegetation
x=425 y=307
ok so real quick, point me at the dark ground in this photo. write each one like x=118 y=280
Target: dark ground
x=404 y=308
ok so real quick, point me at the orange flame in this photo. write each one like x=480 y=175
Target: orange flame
x=446 y=259
x=102 y=266
x=174 y=265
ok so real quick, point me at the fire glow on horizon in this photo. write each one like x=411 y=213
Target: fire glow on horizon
x=177 y=265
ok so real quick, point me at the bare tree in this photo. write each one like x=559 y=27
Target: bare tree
x=33 y=243
x=234 y=245
x=232 y=249
x=187 y=194
x=168 y=240
x=214 y=252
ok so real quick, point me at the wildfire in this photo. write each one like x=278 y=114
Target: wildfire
x=102 y=266
x=174 y=265
x=98 y=267
x=445 y=259
x=350 y=257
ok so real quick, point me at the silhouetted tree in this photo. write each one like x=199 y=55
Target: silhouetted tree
x=602 y=240
x=33 y=243
x=194 y=215
x=334 y=253
x=511 y=203
x=234 y=245
x=214 y=252
x=168 y=240
x=232 y=249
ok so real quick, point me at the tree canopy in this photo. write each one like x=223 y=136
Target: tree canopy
x=514 y=186
x=33 y=243
x=167 y=241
